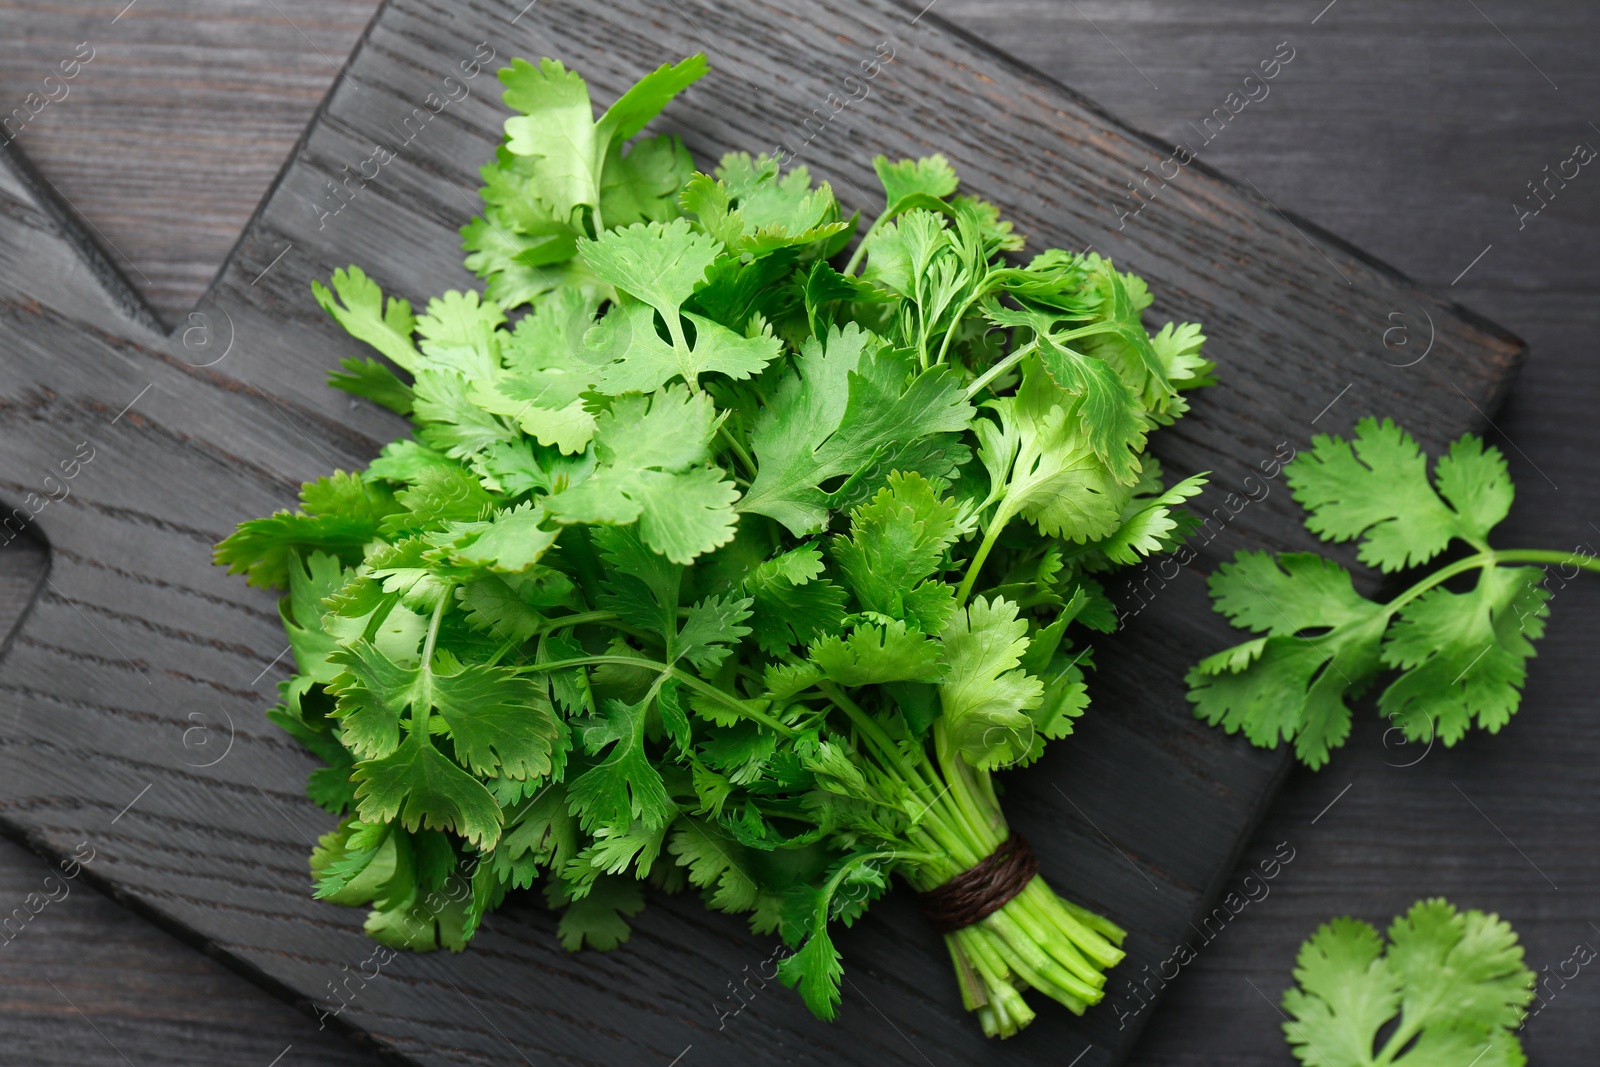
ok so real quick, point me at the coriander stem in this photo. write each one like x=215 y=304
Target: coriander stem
x=1001 y=518
x=861 y=247
x=744 y=457
x=683 y=677
x=1539 y=555
x=1011 y=360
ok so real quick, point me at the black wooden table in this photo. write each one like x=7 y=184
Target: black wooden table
x=1411 y=129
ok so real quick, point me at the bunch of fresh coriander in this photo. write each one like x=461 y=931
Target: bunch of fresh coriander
x=714 y=560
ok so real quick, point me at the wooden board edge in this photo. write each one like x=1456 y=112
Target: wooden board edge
x=73 y=230
x=1515 y=345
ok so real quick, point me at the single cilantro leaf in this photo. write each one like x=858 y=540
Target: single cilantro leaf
x=642 y=184
x=358 y=305
x=625 y=787
x=984 y=696
x=791 y=603
x=373 y=380
x=1473 y=479
x=754 y=212
x=1290 y=688
x=1156 y=527
x=849 y=403
x=1464 y=655
x=635 y=359
x=930 y=176
x=649 y=451
x=876 y=654
x=636 y=107
x=715 y=865
x=419 y=786
x=600 y=917
x=895 y=542
x=1287 y=594
x=1285 y=686
x=1039 y=468
x=500 y=723
x=508 y=542
x=450 y=419
x=658 y=263
x=262 y=548
x=711 y=630
x=1376 y=487
x=815 y=970
x=557 y=127
x=1121 y=337
x=1456 y=980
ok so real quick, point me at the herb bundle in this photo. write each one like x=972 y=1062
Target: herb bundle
x=715 y=563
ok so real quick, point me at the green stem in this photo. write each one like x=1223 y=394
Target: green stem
x=745 y=459
x=861 y=248
x=984 y=548
x=1488 y=558
x=1011 y=360
x=423 y=703
x=727 y=700
x=1540 y=555
x=944 y=348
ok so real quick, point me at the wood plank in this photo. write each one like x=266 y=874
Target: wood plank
x=224 y=443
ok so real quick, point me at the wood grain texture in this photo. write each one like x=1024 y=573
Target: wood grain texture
x=1183 y=744
x=191 y=104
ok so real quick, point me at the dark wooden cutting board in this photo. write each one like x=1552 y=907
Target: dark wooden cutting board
x=131 y=690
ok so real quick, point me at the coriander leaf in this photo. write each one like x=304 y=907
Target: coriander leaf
x=815 y=970
x=895 y=542
x=625 y=787
x=1039 y=469
x=635 y=359
x=647 y=451
x=1121 y=337
x=1290 y=688
x=642 y=184
x=419 y=786
x=1155 y=527
x=557 y=127
x=848 y=402
x=985 y=698
x=368 y=378
x=600 y=917
x=1376 y=488
x=711 y=630
x=461 y=332
x=451 y=420
x=509 y=542
x=1473 y=479
x=930 y=176
x=714 y=865
x=791 y=603
x=636 y=107
x=500 y=723
x=1464 y=654
x=658 y=263
x=1287 y=595
x=261 y=549
x=1456 y=980
x=357 y=304
x=875 y=654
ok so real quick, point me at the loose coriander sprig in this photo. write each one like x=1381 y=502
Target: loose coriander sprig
x=712 y=565
x=1462 y=656
x=1455 y=980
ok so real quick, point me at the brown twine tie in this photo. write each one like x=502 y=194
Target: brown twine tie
x=981 y=890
